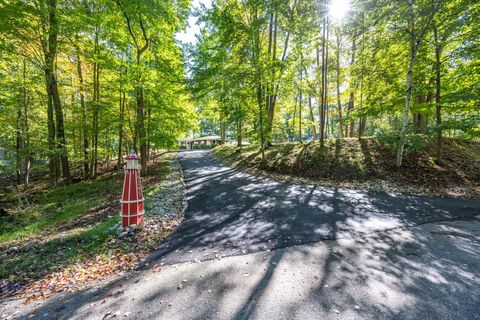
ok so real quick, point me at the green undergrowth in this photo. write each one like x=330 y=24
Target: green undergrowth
x=53 y=209
x=66 y=225
x=35 y=260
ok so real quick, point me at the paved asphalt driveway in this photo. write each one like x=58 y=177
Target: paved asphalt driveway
x=380 y=256
x=233 y=213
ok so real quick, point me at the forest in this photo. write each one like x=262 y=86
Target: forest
x=84 y=82
x=276 y=71
x=354 y=120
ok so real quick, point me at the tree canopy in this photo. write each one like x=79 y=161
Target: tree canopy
x=83 y=82
x=272 y=71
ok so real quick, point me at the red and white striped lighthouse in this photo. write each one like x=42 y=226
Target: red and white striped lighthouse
x=132 y=198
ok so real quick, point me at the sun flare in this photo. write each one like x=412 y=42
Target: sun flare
x=338 y=9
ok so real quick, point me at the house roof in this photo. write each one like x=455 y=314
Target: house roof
x=209 y=138
x=205 y=138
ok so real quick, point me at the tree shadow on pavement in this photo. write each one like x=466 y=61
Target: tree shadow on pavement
x=230 y=213
x=381 y=257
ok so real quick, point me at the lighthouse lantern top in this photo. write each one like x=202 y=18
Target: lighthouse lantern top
x=132 y=156
x=132 y=161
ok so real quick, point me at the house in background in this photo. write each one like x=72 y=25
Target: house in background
x=199 y=143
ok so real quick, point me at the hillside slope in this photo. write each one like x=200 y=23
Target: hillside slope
x=366 y=163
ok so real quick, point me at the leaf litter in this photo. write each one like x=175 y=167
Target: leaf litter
x=165 y=208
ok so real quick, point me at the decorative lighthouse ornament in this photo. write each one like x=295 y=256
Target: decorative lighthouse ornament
x=132 y=198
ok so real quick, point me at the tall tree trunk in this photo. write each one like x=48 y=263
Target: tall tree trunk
x=61 y=140
x=239 y=134
x=261 y=126
x=339 y=103
x=351 y=101
x=95 y=102
x=94 y=155
x=222 y=128
x=351 y=106
x=274 y=86
x=415 y=41
x=312 y=118
x=120 y=128
x=140 y=132
x=19 y=145
x=438 y=105
x=258 y=81
x=273 y=99
x=322 y=86
x=26 y=125
x=294 y=118
x=268 y=84
x=363 y=120
x=300 y=98
x=413 y=58
x=147 y=135
x=140 y=116
x=325 y=91
x=300 y=87
x=52 y=155
x=49 y=56
x=53 y=89
x=83 y=110
x=73 y=107
x=142 y=141
x=239 y=127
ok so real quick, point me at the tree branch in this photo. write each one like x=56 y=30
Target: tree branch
x=147 y=40
x=129 y=24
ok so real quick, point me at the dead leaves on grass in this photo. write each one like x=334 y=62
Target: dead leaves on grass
x=71 y=278
x=125 y=252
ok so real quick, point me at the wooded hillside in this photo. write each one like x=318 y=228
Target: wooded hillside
x=275 y=71
x=82 y=82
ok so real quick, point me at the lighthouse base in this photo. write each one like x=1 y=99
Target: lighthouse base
x=132 y=219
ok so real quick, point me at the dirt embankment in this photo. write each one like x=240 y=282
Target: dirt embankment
x=366 y=163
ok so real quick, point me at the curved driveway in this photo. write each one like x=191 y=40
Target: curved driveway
x=231 y=212
x=385 y=257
